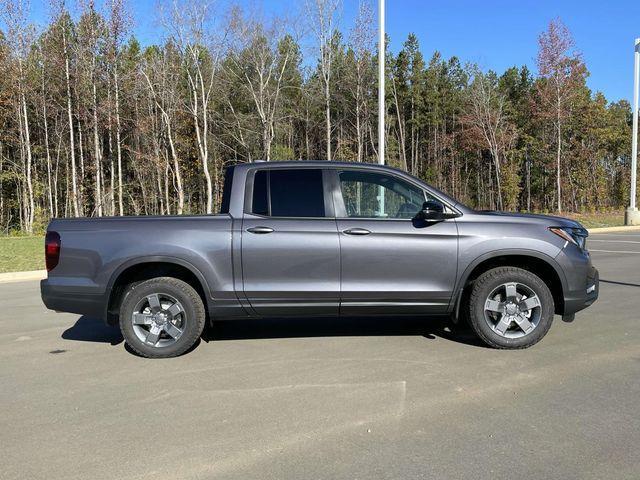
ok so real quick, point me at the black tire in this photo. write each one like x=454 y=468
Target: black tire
x=193 y=315
x=487 y=283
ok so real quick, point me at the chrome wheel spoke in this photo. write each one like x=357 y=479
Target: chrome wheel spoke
x=174 y=309
x=173 y=331
x=154 y=335
x=154 y=302
x=494 y=306
x=525 y=325
x=142 y=319
x=511 y=290
x=503 y=325
x=529 y=303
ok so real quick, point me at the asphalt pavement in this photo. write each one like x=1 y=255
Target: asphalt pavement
x=297 y=399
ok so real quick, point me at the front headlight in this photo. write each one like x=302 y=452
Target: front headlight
x=576 y=235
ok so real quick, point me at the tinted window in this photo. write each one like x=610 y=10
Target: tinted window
x=226 y=190
x=288 y=193
x=260 y=204
x=296 y=193
x=376 y=195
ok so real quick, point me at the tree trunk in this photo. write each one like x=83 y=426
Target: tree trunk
x=403 y=150
x=327 y=99
x=97 y=153
x=176 y=166
x=72 y=148
x=118 y=139
x=31 y=208
x=558 y=153
x=201 y=137
x=46 y=145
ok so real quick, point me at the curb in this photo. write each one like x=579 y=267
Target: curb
x=628 y=228
x=11 y=277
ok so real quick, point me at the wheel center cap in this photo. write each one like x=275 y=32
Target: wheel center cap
x=160 y=319
x=511 y=308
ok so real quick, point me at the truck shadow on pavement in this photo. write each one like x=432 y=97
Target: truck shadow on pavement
x=88 y=329
x=271 y=328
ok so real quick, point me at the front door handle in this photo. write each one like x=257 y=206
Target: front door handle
x=260 y=230
x=357 y=231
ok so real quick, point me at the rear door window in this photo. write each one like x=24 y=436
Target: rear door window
x=288 y=193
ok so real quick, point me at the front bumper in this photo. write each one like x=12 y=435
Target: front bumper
x=577 y=300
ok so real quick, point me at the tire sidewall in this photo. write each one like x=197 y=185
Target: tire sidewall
x=193 y=311
x=492 y=279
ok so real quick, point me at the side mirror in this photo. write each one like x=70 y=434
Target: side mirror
x=432 y=210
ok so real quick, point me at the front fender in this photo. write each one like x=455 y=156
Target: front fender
x=505 y=252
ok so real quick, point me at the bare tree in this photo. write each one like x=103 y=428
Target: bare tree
x=260 y=63
x=323 y=15
x=361 y=42
x=164 y=93
x=118 y=25
x=562 y=70
x=45 y=122
x=488 y=117
x=196 y=30
x=92 y=33
x=64 y=25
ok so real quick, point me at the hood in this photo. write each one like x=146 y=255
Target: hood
x=550 y=220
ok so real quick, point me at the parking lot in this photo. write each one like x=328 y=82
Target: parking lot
x=327 y=398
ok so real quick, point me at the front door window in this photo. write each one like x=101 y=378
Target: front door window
x=376 y=195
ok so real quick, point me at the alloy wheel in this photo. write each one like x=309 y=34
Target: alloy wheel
x=158 y=320
x=512 y=310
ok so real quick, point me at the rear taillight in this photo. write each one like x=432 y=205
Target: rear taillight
x=52 y=250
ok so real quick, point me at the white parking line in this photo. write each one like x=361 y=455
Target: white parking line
x=613 y=251
x=614 y=235
x=612 y=241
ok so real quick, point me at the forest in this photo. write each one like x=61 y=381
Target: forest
x=95 y=123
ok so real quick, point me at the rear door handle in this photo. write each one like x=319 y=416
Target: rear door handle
x=260 y=230
x=357 y=231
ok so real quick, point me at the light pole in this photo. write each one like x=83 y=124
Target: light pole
x=632 y=215
x=381 y=75
x=381 y=108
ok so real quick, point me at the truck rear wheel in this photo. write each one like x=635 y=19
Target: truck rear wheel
x=510 y=308
x=161 y=317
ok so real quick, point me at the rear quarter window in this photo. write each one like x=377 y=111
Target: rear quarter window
x=226 y=190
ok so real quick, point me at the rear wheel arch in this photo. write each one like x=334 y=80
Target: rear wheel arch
x=146 y=269
x=539 y=264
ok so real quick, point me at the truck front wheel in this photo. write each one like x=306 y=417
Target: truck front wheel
x=161 y=317
x=510 y=307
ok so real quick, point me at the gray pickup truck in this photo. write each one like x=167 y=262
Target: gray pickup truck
x=320 y=239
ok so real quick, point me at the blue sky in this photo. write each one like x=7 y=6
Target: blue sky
x=495 y=34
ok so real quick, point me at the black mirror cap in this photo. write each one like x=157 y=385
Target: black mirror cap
x=434 y=211
x=431 y=210
x=433 y=206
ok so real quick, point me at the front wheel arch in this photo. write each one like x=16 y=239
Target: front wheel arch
x=500 y=312
x=539 y=264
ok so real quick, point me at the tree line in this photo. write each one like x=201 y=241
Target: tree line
x=93 y=123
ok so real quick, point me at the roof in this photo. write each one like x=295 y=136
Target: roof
x=317 y=163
